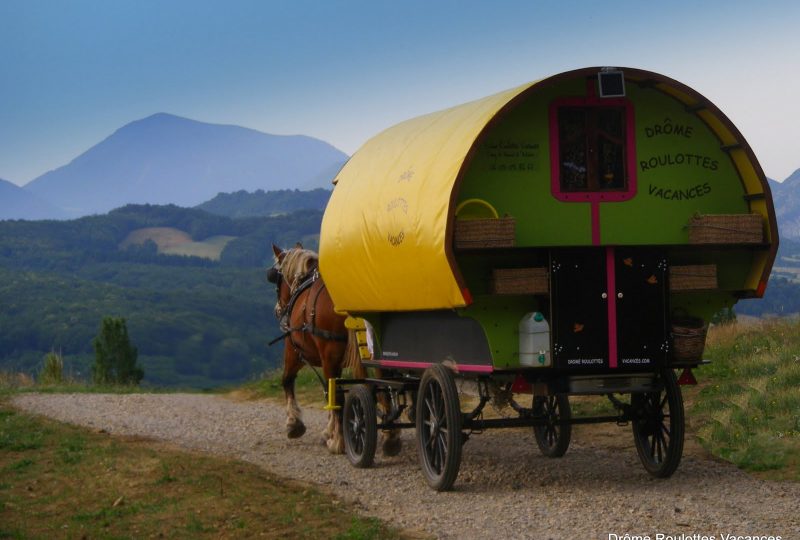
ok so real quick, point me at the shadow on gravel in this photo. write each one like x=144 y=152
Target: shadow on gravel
x=509 y=460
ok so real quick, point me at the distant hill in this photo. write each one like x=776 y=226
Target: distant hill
x=18 y=203
x=265 y=203
x=166 y=159
x=786 y=196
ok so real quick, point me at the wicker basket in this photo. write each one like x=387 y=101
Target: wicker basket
x=484 y=233
x=726 y=229
x=693 y=277
x=688 y=339
x=519 y=281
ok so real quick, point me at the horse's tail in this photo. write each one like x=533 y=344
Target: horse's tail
x=352 y=358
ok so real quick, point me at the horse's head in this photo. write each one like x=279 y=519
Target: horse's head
x=275 y=276
x=289 y=270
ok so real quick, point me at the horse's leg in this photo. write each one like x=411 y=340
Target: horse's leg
x=392 y=444
x=294 y=417
x=333 y=369
x=335 y=441
x=328 y=431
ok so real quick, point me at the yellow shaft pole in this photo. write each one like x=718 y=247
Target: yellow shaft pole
x=331 y=406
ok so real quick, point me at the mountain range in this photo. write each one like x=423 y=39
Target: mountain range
x=19 y=203
x=166 y=159
x=786 y=197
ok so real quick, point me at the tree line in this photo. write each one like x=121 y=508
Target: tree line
x=196 y=322
x=242 y=204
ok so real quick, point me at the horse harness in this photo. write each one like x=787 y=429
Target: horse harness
x=284 y=314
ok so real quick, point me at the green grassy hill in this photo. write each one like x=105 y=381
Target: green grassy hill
x=200 y=313
x=190 y=305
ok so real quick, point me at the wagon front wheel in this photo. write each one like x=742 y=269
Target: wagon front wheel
x=360 y=426
x=438 y=422
x=554 y=436
x=658 y=426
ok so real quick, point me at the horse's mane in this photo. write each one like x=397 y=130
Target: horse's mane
x=296 y=264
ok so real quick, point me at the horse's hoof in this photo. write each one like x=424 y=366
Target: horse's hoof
x=336 y=447
x=392 y=446
x=295 y=431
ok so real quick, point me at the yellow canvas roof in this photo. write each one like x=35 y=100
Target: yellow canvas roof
x=385 y=235
x=388 y=215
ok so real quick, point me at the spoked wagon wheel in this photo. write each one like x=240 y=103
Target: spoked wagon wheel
x=554 y=436
x=658 y=426
x=438 y=422
x=360 y=426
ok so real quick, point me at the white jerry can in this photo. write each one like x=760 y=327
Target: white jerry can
x=534 y=340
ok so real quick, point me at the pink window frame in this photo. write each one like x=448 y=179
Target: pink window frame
x=630 y=151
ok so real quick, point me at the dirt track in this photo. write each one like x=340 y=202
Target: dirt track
x=506 y=489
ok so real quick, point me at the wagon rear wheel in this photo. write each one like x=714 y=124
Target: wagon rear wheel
x=360 y=426
x=554 y=436
x=658 y=426
x=438 y=420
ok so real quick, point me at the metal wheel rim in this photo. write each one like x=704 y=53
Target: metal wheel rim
x=358 y=429
x=655 y=429
x=551 y=429
x=436 y=432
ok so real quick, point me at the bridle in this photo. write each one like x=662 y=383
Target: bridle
x=276 y=276
x=298 y=285
x=283 y=311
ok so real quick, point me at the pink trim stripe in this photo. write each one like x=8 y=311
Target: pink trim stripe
x=612 y=307
x=467 y=368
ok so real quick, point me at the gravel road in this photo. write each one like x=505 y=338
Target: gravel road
x=505 y=489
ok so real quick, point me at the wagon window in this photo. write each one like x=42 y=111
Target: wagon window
x=592 y=148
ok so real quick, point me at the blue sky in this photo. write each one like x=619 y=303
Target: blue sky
x=72 y=72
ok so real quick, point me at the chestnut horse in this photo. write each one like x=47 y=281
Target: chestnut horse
x=314 y=334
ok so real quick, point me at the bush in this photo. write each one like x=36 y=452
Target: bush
x=53 y=369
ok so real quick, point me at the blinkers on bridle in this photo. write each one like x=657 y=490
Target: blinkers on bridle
x=276 y=276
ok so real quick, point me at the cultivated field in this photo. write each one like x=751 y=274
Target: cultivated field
x=171 y=241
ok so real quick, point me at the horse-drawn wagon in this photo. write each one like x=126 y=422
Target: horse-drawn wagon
x=572 y=236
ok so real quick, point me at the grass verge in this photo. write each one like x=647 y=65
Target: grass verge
x=307 y=387
x=748 y=409
x=11 y=383
x=63 y=481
